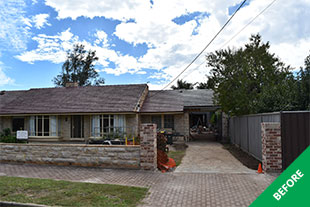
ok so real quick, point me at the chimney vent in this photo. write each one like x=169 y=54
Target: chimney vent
x=72 y=84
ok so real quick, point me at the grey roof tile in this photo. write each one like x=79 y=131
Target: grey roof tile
x=89 y=99
x=176 y=100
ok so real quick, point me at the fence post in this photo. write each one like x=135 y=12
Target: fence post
x=271 y=146
x=148 y=147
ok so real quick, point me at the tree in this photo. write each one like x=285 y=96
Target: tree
x=79 y=67
x=183 y=85
x=250 y=79
x=202 y=86
x=303 y=86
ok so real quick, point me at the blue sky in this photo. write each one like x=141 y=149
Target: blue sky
x=136 y=41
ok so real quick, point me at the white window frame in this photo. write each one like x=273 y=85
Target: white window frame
x=51 y=132
x=110 y=127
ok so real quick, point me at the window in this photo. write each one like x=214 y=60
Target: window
x=157 y=120
x=168 y=121
x=107 y=124
x=18 y=124
x=43 y=126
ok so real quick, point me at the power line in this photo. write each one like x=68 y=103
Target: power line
x=250 y=22
x=202 y=50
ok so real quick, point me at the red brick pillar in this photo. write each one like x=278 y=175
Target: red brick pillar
x=271 y=147
x=148 y=145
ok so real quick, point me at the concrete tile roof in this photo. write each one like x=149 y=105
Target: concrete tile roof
x=177 y=100
x=89 y=99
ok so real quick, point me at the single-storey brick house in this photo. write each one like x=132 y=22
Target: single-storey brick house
x=79 y=113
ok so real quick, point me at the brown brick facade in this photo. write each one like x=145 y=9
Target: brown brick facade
x=148 y=147
x=271 y=147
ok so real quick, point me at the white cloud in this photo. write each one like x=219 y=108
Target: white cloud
x=40 y=20
x=102 y=38
x=13 y=27
x=4 y=79
x=115 y=9
x=172 y=46
x=51 y=48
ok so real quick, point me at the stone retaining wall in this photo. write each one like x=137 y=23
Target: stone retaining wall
x=72 y=154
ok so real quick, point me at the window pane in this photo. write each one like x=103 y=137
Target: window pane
x=157 y=120
x=112 y=123
x=39 y=121
x=32 y=124
x=105 y=125
x=96 y=125
x=53 y=129
x=169 y=121
x=46 y=127
x=18 y=124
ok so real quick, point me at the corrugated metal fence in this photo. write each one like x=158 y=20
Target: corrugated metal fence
x=245 y=131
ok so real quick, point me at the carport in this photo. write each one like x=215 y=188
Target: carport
x=204 y=123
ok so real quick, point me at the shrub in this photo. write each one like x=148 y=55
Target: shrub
x=162 y=142
x=7 y=137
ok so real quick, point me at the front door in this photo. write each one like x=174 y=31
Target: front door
x=77 y=126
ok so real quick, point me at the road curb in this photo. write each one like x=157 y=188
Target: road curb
x=15 y=204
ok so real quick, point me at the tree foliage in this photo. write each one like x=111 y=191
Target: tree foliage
x=79 y=67
x=303 y=86
x=250 y=79
x=182 y=85
x=202 y=86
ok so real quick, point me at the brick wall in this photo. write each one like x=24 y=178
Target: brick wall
x=148 y=147
x=72 y=154
x=271 y=147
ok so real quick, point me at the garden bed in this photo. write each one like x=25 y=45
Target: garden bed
x=242 y=156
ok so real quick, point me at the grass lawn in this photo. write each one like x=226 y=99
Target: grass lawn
x=65 y=193
x=177 y=156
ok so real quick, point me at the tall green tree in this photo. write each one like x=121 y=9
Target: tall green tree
x=182 y=85
x=303 y=86
x=79 y=67
x=250 y=79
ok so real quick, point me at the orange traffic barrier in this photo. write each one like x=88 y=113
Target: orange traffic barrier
x=260 y=170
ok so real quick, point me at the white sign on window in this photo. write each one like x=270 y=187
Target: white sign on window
x=22 y=135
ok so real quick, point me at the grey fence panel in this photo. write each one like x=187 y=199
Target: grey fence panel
x=271 y=118
x=245 y=131
x=238 y=130
x=255 y=141
x=231 y=127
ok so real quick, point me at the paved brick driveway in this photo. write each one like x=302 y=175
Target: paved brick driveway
x=169 y=189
